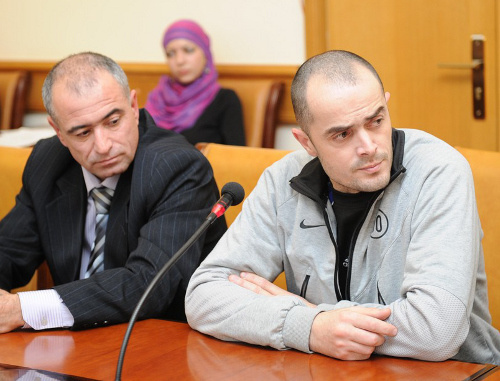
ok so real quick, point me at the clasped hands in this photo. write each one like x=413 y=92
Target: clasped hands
x=350 y=333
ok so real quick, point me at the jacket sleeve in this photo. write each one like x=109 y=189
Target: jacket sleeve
x=172 y=193
x=441 y=270
x=253 y=243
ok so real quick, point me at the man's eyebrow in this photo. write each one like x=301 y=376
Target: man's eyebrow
x=378 y=111
x=79 y=127
x=337 y=129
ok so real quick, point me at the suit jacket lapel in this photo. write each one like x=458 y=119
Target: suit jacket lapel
x=116 y=246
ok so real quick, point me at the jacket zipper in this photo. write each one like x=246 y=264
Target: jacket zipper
x=380 y=297
x=358 y=229
x=338 y=293
x=303 y=289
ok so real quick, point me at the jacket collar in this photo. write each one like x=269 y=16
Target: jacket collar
x=312 y=181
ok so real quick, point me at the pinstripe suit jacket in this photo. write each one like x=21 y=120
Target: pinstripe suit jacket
x=159 y=202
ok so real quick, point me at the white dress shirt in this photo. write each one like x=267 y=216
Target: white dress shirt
x=44 y=309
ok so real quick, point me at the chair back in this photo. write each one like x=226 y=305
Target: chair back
x=12 y=162
x=13 y=93
x=485 y=167
x=259 y=101
x=243 y=165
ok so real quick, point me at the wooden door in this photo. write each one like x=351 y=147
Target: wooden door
x=406 y=41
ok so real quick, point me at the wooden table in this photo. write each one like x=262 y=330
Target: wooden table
x=163 y=350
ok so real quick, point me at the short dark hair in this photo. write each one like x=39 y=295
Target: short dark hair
x=81 y=68
x=335 y=66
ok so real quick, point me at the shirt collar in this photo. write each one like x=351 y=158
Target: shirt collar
x=91 y=181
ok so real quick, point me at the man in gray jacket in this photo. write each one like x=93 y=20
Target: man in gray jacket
x=377 y=231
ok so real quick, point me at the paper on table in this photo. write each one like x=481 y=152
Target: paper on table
x=24 y=136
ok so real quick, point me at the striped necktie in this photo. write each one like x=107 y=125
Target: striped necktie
x=102 y=199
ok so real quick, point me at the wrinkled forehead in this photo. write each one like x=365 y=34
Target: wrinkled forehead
x=71 y=79
x=344 y=104
x=70 y=101
x=321 y=87
x=83 y=85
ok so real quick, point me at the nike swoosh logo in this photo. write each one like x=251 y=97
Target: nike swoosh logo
x=304 y=226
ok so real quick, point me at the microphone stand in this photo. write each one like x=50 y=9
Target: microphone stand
x=208 y=221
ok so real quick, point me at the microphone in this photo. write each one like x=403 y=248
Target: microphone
x=231 y=194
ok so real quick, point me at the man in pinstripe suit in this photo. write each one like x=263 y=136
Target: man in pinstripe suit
x=163 y=190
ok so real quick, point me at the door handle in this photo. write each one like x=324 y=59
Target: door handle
x=458 y=65
x=477 y=67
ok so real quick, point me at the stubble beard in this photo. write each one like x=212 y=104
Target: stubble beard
x=380 y=179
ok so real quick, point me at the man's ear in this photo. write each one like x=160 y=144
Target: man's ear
x=57 y=130
x=134 y=104
x=304 y=141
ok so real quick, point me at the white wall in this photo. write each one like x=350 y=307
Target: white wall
x=242 y=31
x=268 y=32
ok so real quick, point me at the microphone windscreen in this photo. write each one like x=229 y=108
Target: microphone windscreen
x=235 y=190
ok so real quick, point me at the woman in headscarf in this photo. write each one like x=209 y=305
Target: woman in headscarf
x=190 y=101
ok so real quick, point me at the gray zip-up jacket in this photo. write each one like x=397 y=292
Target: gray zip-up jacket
x=418 y=252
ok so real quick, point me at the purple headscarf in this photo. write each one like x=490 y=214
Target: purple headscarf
x=175 y=106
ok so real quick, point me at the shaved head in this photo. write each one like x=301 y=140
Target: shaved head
x=337 y=67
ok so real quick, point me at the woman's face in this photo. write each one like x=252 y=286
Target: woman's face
x=186 y=60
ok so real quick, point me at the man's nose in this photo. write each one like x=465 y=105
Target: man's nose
x=102 y=141
x=366 y=144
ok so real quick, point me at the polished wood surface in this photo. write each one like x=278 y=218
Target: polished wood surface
x=494 y=376
x=163 y=350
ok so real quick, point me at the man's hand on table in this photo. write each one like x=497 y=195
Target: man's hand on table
x=350 y=333
x=11 y=316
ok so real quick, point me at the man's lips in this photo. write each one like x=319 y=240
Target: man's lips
x=106 y=162
x=372 y=167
